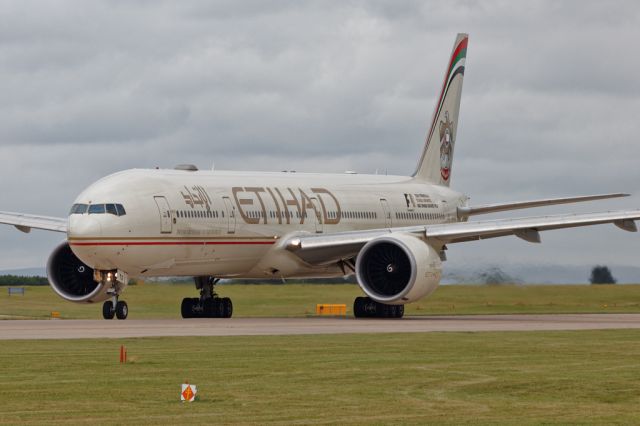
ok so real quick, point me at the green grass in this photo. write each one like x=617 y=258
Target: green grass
x=163 y=300
x=586 y=377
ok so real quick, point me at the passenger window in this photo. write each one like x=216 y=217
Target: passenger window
x=96 y=209
x=111 y=209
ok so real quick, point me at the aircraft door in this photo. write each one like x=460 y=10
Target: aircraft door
x=166 y=226
x=231 y=215
x=318 y=216
x=388 y=222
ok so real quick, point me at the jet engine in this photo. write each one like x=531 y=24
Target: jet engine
x=398 y=268
x=72 y=279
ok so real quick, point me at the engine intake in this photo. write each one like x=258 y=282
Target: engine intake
x=398 y=269
x=72 y=279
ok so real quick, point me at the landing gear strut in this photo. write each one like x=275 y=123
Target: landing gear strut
x=209 y=305
x=365 y=307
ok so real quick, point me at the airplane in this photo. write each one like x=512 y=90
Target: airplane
x=392 y=232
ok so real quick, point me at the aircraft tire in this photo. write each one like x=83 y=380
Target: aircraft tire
x=227 y=307
x=358 y=307
x=186 y=308
x=122 y=310
x=107 y=310
x=219 y=307
x=195 y=301
x=209 y=308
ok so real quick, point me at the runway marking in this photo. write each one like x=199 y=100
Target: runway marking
x=102 y=329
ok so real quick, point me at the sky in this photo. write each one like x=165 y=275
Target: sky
x=550 y=103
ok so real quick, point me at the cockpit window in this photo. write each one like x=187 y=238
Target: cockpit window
x=78 y=209
x=114 y=209
x=96 y=209
x=111 y=209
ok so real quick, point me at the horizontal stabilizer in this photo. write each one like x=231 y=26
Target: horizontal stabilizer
x=492 y=208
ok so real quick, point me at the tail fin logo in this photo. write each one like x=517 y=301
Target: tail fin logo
x=446 y=146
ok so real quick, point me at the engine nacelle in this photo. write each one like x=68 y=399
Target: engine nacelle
x=398 y=268
x=73 y=280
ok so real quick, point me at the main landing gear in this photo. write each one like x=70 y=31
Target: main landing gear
x=209 y=305
x=365 y=307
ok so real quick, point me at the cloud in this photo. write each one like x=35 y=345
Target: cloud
x=549 y=107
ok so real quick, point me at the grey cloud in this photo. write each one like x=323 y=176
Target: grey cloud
x=550 y=102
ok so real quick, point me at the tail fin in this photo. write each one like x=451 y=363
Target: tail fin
x=437 y=155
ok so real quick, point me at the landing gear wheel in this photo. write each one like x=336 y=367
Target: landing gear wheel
x=107 y=310
x=227 y=307
x=219 y=304
x=186 y=309
x=365 y=307
x=122 y=310
x=209 y=308
x=358 y=307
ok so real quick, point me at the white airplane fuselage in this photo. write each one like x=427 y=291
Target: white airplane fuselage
x=232 y=224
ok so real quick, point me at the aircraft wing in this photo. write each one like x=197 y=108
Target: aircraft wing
x=330 y=248
x=492 y=208
x=25 y=222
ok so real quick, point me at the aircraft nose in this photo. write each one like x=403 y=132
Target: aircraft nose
x=84 y=226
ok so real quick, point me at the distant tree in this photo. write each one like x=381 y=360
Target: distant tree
x=14 y=280
x=601 y=275
x=494 y=276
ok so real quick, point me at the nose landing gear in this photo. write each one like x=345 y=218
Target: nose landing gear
x=117 y=308
x=209 y=305
x=115 y=281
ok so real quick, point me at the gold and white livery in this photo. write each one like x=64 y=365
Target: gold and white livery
x=390 y=231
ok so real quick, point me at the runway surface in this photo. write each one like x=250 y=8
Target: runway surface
x=84 y=329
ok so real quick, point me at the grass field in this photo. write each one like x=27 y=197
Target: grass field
x=587 y=377
x=163 y=300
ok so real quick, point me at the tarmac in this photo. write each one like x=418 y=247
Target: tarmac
x=101 y=329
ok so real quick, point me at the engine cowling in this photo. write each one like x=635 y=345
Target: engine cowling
x=72 y=279
x=398 y=268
